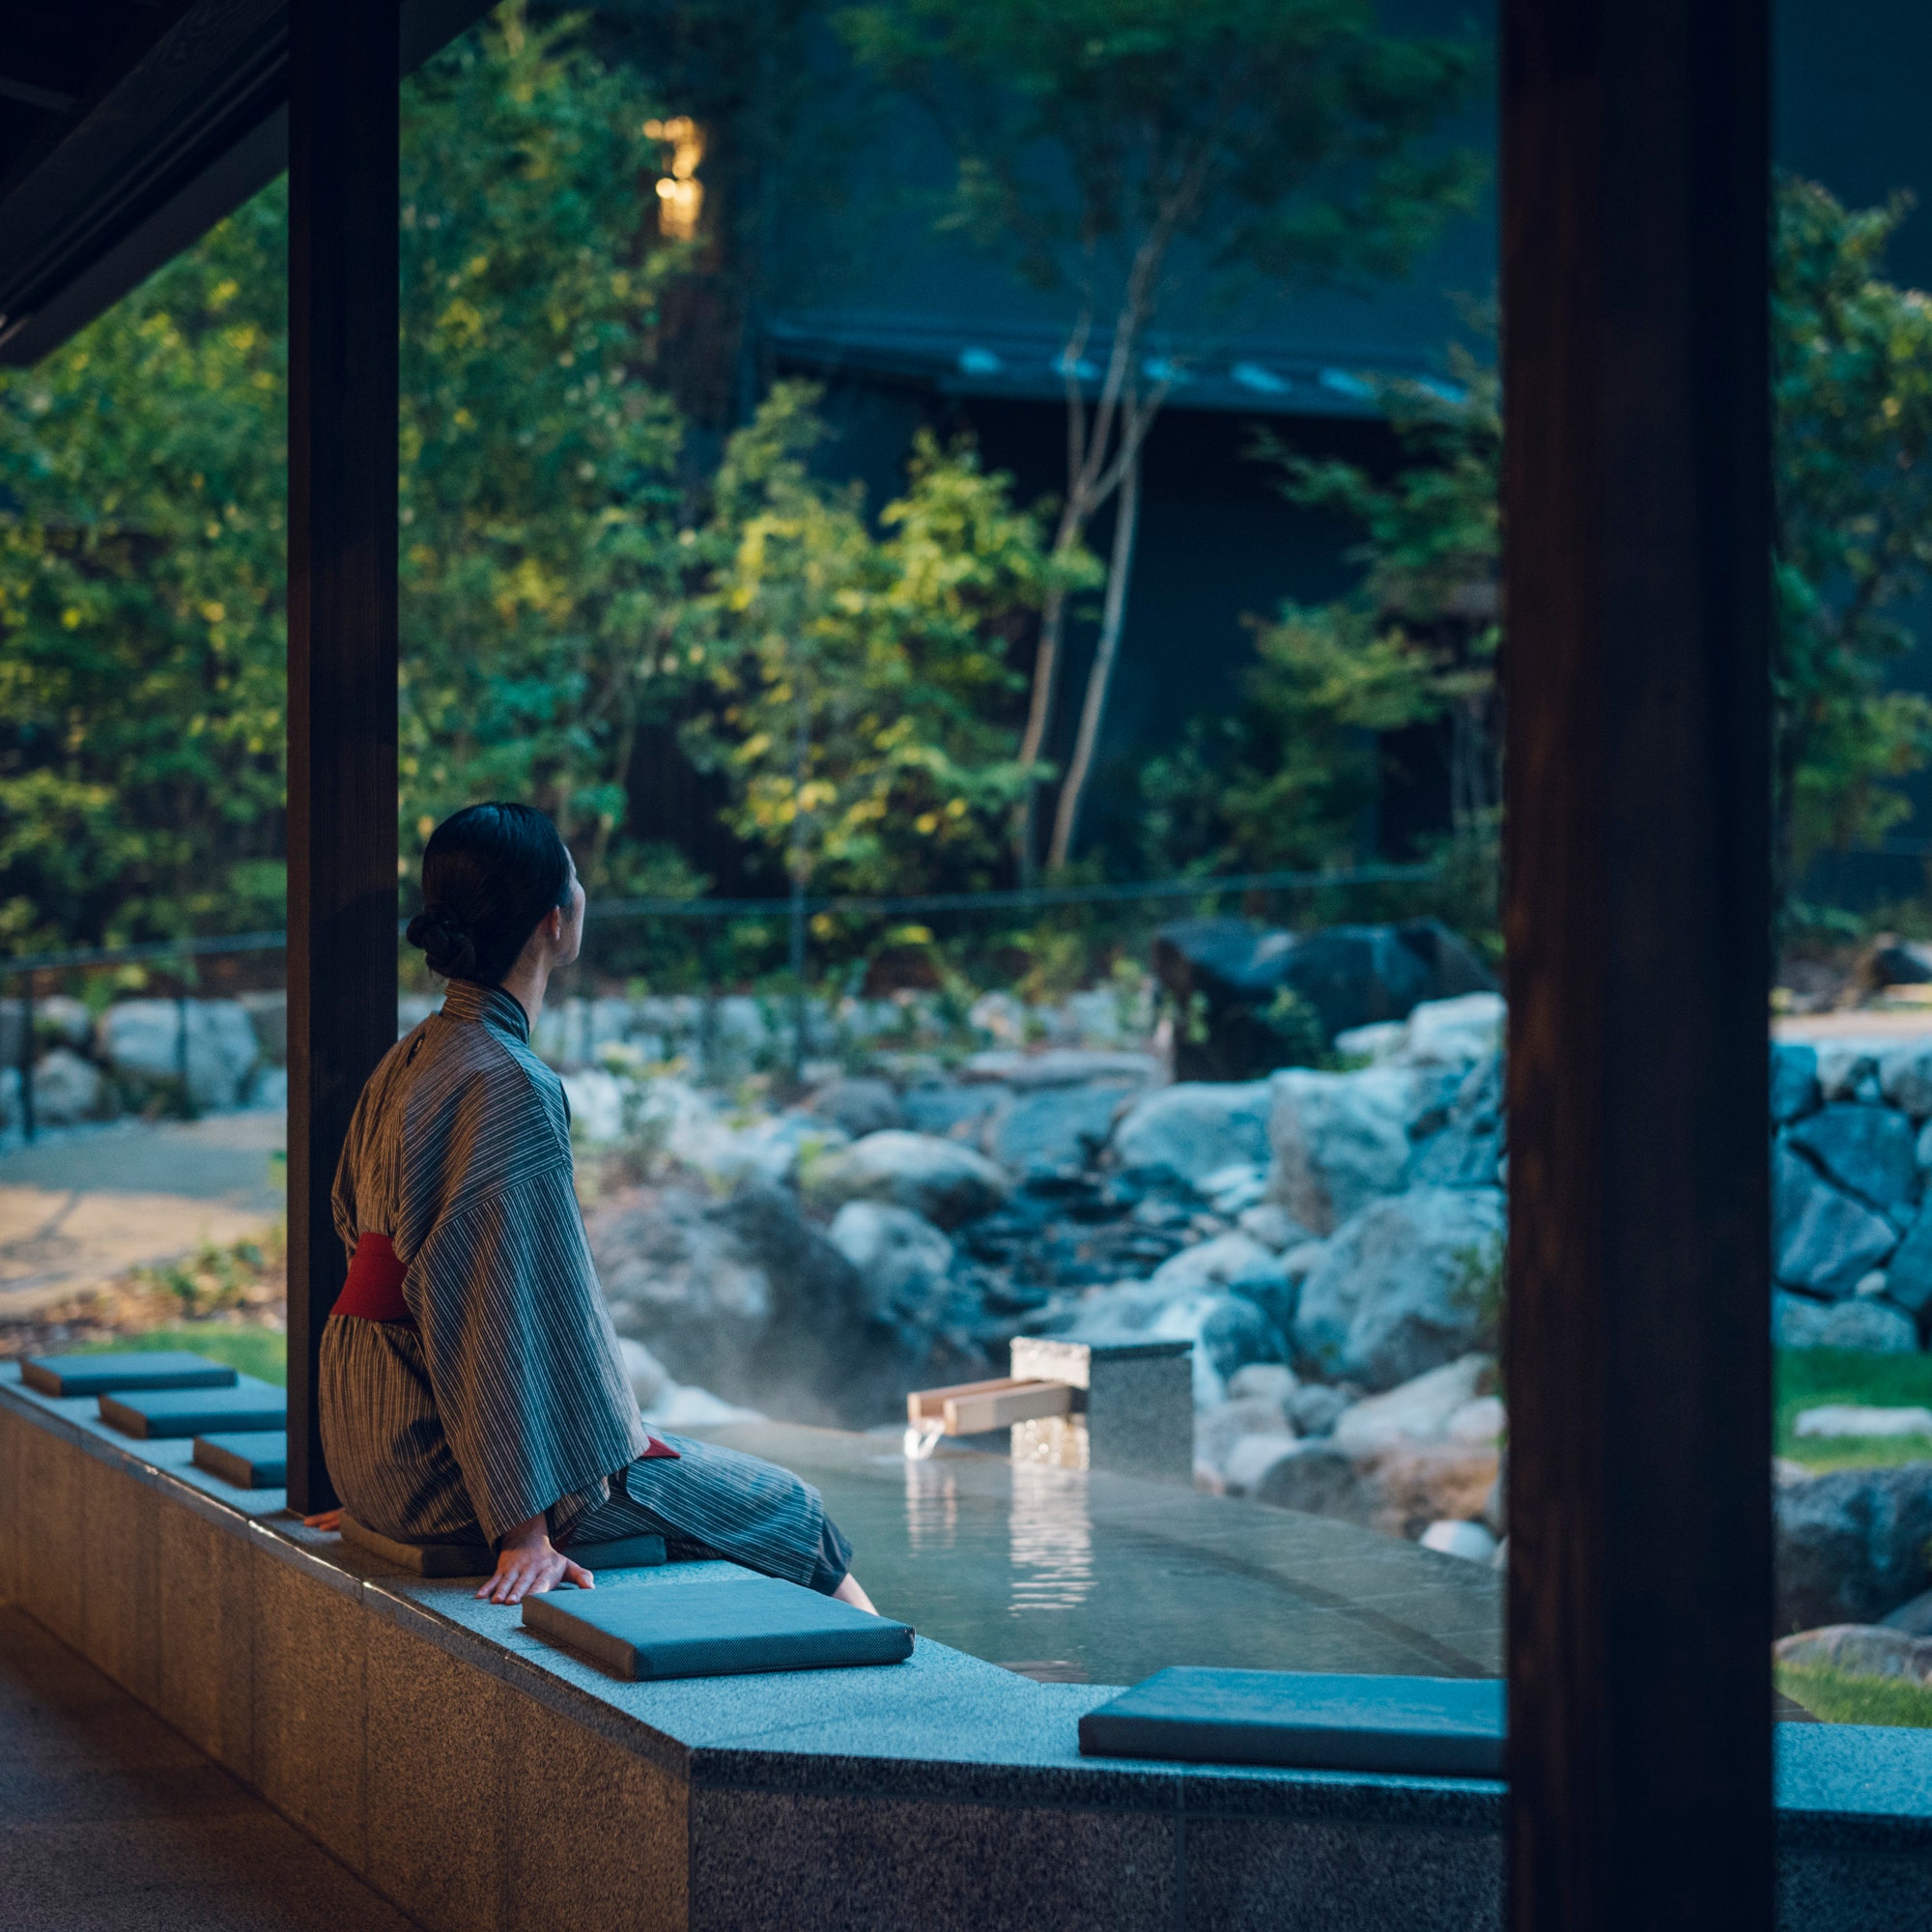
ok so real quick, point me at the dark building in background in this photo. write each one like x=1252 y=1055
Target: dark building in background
x=821 y=260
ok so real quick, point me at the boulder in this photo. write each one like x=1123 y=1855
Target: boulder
x=1913 y=1616
x=1252 y=1457
x=1315 y=1409
x=1273 y=1227
x=1054 y=1128
x=1228 y=1331
x=269 y=1015
x=1453 y=1033
x=66 y=1089
x=1797 y=1322
x=1866 y=1150
x=1467 y=1147
x=1339 y=1141
x=1480 y=1423
x=1851 y=1544
x=1794 y=1079
x=1848 y=1069
x=1402 y=1288
x=1217 y=1430
x=1860 y=1650
x=1269 y=1381
x=1418 y=1410
x=1238 y=1263
x=1908 y=1276
x=940 y=1180
x=1061 y=1067
x=1355 y=974
x=949 y=1108
x=748 y=1298
x=597 y=1109
x=1822 y=1241
x=1226 y=972
x=1195 y=1129
x=1905 y=1076
x=1400 y=1490
x=861 y=1107
x=146 y=1045
x=901 y=1258
x=1472 y=1541
x=1234 y=1190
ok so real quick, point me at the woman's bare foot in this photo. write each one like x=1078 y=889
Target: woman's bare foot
x=849 y=1592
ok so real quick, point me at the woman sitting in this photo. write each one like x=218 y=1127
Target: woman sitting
x=472 y=1387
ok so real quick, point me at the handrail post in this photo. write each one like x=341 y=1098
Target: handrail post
x=343 y=319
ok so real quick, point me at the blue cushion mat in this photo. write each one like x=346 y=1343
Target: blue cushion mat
x=173 y=1412
x=1421 y=1726
x=715 y=1630
x=255 y=1459
x=102 y=1374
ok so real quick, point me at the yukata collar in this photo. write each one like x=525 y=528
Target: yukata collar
x=465 y=1000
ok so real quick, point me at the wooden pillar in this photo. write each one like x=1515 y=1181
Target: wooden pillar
x=343 y=267
x=1635 y=189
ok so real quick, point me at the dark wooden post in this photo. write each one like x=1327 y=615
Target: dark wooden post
x=343 y=267
x=1634 y=205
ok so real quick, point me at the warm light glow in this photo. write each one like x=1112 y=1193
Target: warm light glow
x=680 y=193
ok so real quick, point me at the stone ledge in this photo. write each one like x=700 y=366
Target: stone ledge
x=744 y=1787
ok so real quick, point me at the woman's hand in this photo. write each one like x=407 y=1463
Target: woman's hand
x=526 y=1562
x=329 y=1519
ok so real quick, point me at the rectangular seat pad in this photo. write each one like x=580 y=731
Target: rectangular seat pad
x=716 y=1628
x=1423 y=1726
x=255 y=1459
x=478 y=1559
x=125 y=1369
x=250 y=1405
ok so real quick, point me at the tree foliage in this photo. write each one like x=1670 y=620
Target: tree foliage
x=1290 y=780
x=1125 y=152
x=861 y=681
x=141 y=606
x=1852 y=392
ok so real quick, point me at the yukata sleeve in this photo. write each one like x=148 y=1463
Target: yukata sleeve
x=520 y=1354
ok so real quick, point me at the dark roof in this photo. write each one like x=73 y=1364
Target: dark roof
x=127 y=128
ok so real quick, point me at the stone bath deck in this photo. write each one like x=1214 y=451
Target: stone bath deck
x=478 y=1777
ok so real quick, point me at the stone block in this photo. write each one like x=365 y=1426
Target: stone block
x=1255 y=1875
x=439 y=1744
x=310 y=1645
x=48 y=1483
x=119 y=1561
x=772 y=1862
x=205 y=1612
x=613 y=1858
x=1139 y=1416
x=1824 y=1889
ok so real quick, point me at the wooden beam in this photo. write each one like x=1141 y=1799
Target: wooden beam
x=343 y=268
x=1638 y=911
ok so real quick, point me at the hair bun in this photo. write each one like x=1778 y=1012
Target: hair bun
x=447 y=949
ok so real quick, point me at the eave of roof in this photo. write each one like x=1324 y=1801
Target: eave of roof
x=1024 y=362
x=181 y=132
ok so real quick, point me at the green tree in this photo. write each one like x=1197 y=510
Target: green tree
x=1852 y=392
x=1125 y=153
x=1289 y=781
x=141 y=607
x=858 y=680
x=545 y=574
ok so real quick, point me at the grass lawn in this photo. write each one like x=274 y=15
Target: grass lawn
x=1838 y=1698
x=255 y=1352
x=1808 y=1377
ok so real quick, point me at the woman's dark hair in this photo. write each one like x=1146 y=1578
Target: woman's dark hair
x=489 y=874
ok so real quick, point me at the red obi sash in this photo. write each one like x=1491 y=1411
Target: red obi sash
x=374 y=1289
x=374 y=1293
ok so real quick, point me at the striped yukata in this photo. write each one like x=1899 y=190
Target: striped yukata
x=503 y=1395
